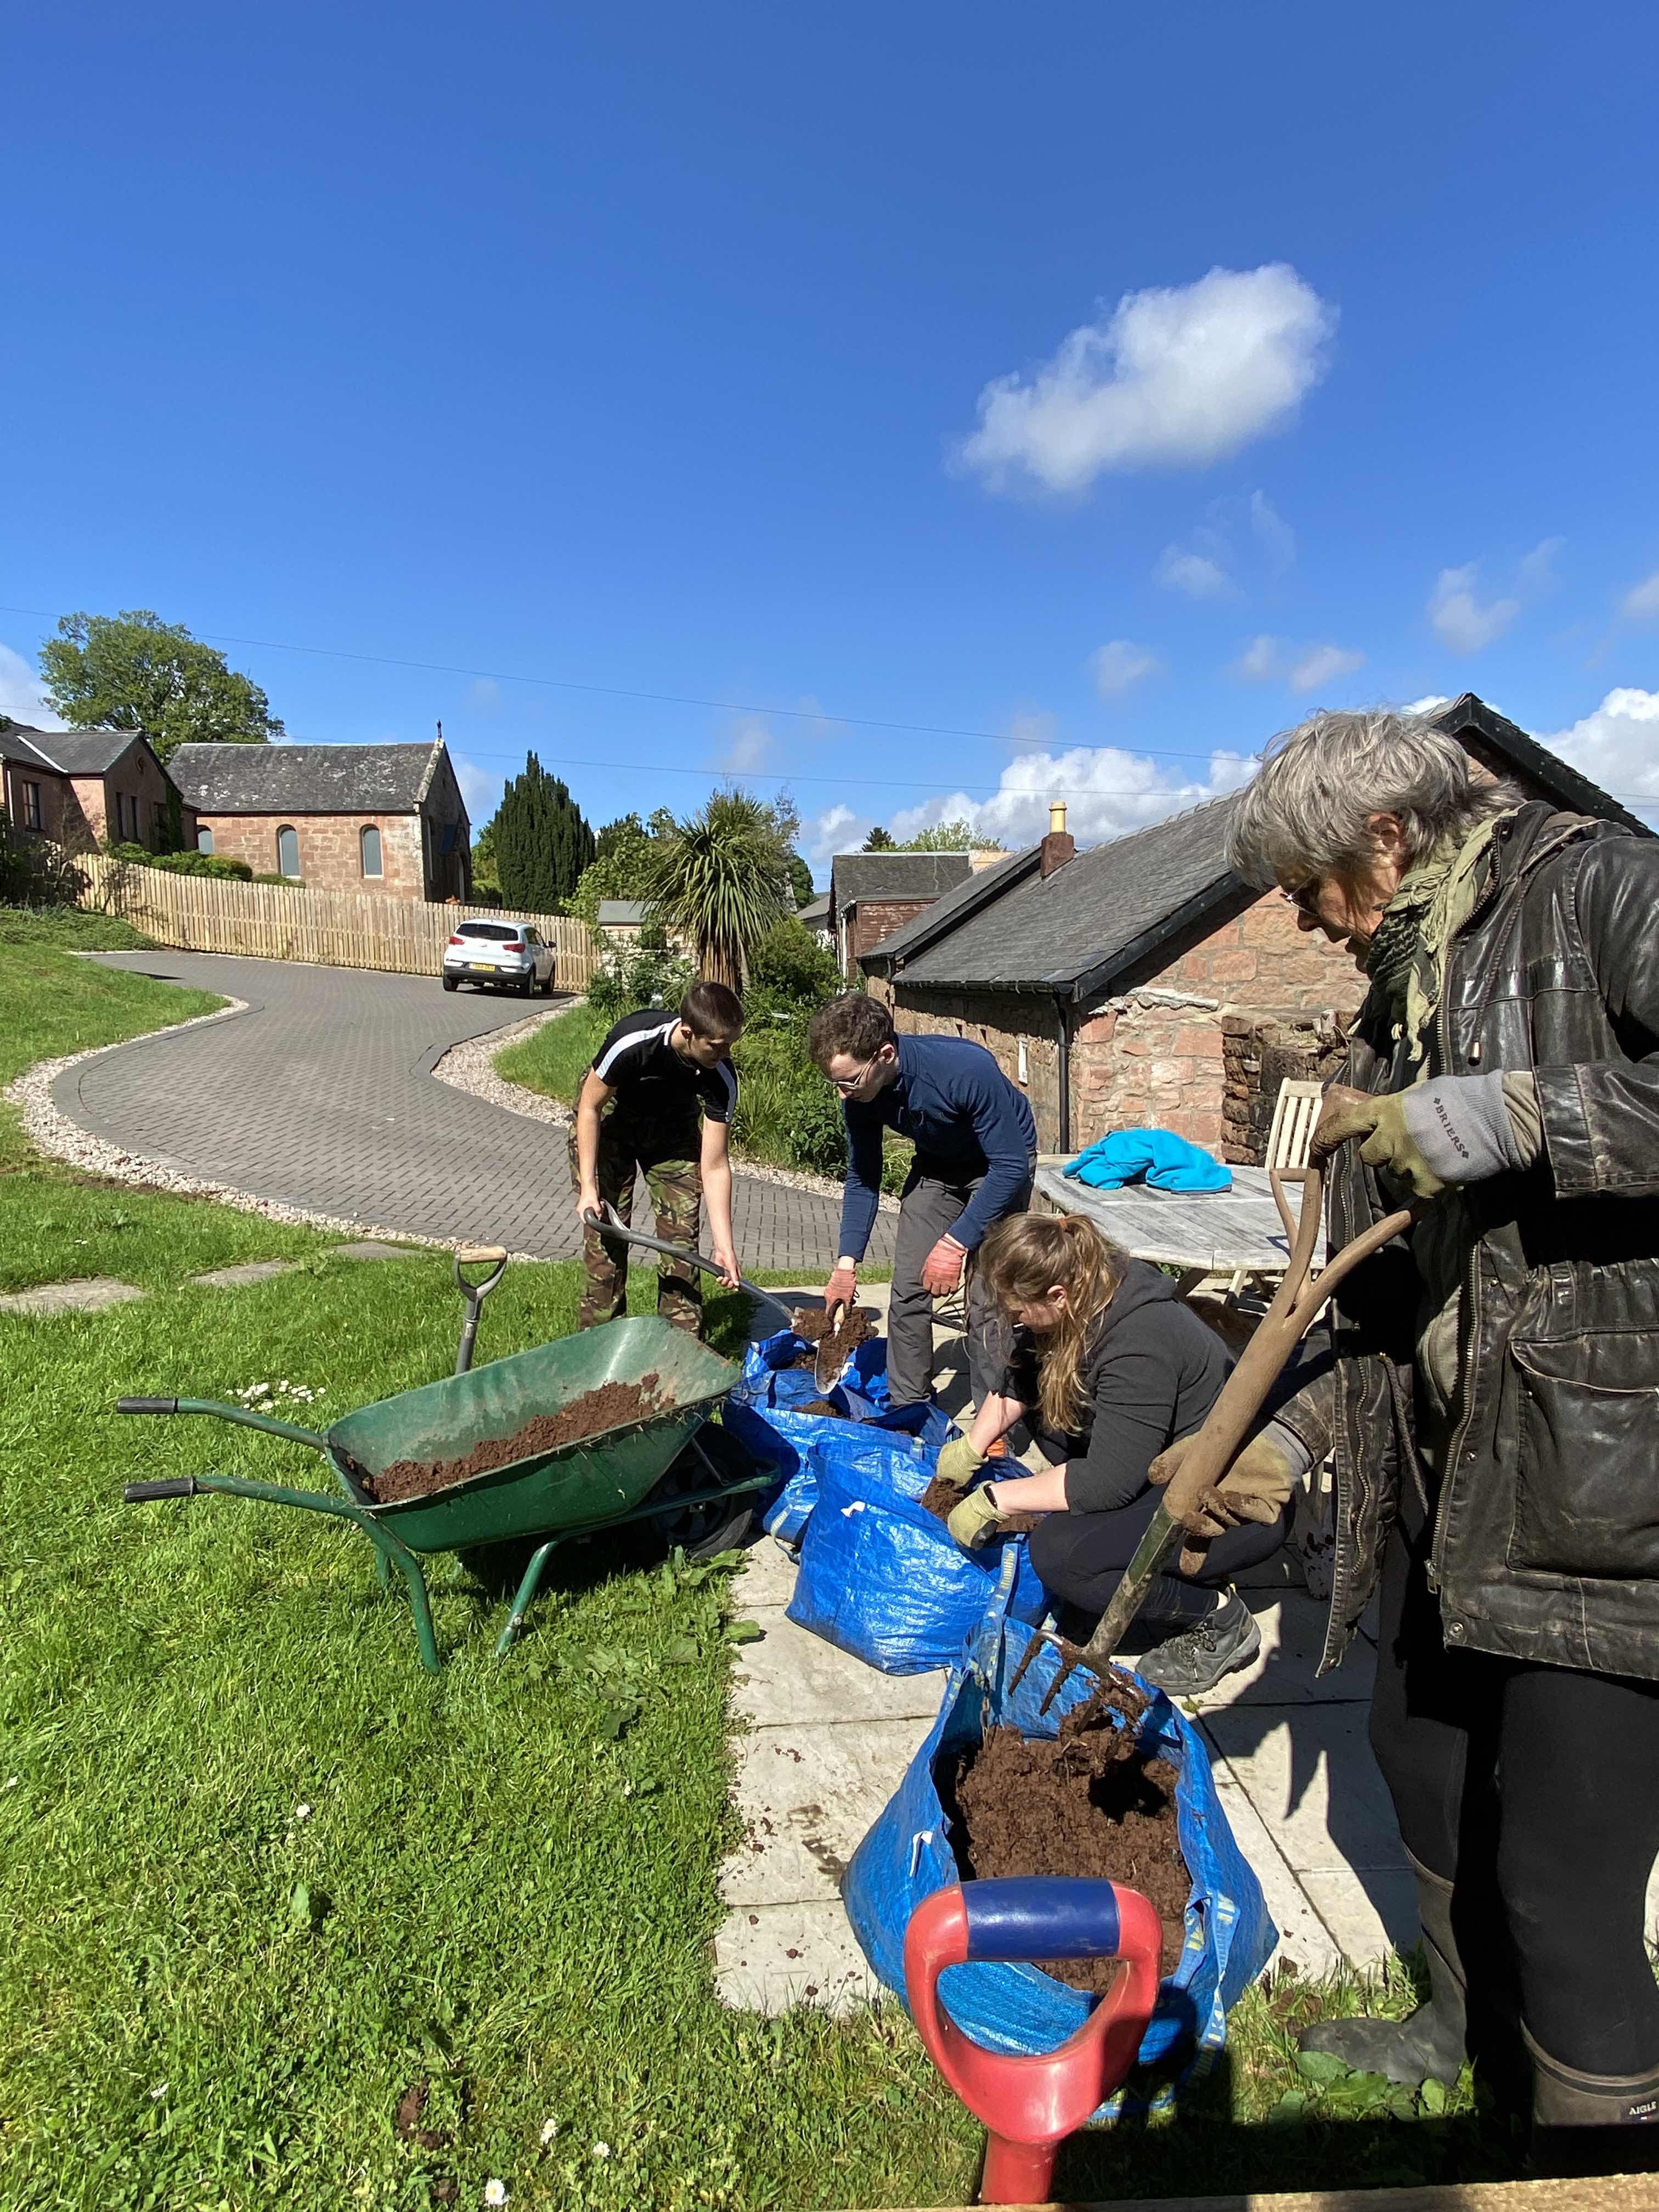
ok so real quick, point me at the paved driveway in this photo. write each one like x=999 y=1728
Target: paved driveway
x=321 y=1096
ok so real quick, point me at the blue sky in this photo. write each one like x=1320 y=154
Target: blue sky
x=1099 y=391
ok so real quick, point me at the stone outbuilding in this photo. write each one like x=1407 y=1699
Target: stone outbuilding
x=86 y=788
x=873 y=894
x=384 y=819
x=1141 y=984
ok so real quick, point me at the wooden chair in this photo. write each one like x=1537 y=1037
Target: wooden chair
x=1295 y=1111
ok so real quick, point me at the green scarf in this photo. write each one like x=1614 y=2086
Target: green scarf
x=1405 y=960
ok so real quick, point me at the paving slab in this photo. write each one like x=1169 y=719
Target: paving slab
x=1304 y=1939
x=769 y=1957
x=372 y=1247
x=1310 y=1772
x=250 y=1271
x=91 y=1294
x=766 y=1578
x=807 y=1795
x=1369 y=1914
x=792 y=1678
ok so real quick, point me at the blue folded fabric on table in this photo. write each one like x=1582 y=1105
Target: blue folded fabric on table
x=1019 y=2008
x=1157 y=1156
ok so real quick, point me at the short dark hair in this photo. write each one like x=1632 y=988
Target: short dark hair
x=852 y=1023
x=709 y=1009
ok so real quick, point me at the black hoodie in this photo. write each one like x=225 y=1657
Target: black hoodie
x=1152 y=1370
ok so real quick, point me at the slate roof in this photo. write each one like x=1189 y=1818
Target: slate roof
x=855 y=876
x=283 y=779
x=622 y=913
x=815 y=914
x=89 y=752
x=1105 y=910
x=27 y=747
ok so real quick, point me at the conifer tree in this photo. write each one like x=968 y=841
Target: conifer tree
x=542 y=841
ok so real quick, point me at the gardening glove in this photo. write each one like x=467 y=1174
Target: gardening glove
x=976 y=1520
x=941 y=1270
x=1387 y=1142
x=1257 y=1486
x=958 y=1463
x=842 y=1287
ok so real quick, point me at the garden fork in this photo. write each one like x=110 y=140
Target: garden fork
x=1213 y=1448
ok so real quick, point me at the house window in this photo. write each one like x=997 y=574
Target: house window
x=369 y=840
x=287 y=853
x=205 y=839
x=31 y=793
x=158 y=824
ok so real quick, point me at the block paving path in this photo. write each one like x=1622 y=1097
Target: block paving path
x=321 y=1095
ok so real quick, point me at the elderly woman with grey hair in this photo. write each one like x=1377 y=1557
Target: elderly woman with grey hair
x=1491 y=1393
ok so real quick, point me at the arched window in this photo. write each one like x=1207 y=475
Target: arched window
x=203 y=839
x=288 y=851
x=370 y=840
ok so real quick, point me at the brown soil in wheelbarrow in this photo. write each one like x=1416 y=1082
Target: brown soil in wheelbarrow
x=853 y=1328
x=942 y=1498
x=608 y=1407
x=1085 y=1803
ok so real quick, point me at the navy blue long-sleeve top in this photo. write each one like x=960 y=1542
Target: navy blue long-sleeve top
x=965 y=1118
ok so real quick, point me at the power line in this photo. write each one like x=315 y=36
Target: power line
x=654 y=698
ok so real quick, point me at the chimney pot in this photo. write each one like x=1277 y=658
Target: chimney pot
x=1057 y=817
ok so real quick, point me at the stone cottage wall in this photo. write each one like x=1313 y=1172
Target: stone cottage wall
x=1259 y=1053
x=330 y=851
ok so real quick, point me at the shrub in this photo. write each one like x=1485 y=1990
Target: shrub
x=219 y=865
x=790 y=969
x=292 y=882
x=635 y=975
x=34 y=874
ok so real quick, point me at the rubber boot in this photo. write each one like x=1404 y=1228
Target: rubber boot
x=1429 y=2044
x=1587 y=2124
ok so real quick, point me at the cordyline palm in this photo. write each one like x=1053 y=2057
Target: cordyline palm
x=721 y=881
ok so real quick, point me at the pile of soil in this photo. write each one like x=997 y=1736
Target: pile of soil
x=942 y=1498
x=853 y=1328
x=824 y=1405
x=608 y=1407
x=1086 y=1803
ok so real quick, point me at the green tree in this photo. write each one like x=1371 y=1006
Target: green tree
x=722 y=879
x=800 y=881
x=621 y=867
x=958 y=836
x=542 y=841
x=134 y=672
x=880 y=841
x=486 y=877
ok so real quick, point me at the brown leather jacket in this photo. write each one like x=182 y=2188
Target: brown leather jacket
x=1546 y=1541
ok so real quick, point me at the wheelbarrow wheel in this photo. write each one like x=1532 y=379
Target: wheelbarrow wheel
x=702 y=1532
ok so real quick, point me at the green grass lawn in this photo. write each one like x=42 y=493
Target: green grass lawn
x=62 y=927
x=262 y=1875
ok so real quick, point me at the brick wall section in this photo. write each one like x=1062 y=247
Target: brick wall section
x=58 y=808
x=1259 y=1053
x=1153 y=1053
x=330 y=849
x=874 y=920
x=140 y=787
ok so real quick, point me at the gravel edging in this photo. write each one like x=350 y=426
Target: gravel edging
x=54 y=1134
x=470 y=1067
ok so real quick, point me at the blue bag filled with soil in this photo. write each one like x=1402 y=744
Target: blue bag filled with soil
x=880 y=1576
x=1019 y=2008
x=762 y=1411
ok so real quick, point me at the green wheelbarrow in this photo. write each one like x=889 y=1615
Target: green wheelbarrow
x=657 y=1468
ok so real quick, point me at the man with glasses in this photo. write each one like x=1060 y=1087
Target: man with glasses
x=976 y=1144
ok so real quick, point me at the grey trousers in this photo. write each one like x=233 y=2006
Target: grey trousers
x=929 y=1206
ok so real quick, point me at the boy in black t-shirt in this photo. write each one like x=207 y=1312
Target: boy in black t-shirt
x=638 y=1115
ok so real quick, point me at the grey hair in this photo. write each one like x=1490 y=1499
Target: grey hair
x=1305 y=813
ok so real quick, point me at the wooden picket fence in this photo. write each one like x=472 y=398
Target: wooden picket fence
x=337 y=929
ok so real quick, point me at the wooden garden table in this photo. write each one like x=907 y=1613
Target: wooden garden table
x=1213 y=1232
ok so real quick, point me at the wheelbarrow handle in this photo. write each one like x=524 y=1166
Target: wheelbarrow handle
x=608 y=1223
x=142 y=1494
x=242 y=1414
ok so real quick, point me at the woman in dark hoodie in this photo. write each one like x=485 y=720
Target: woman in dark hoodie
x=1109 y=1367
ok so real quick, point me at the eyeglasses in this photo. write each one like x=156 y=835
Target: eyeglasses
x=1306 y=897
x=848 y=1083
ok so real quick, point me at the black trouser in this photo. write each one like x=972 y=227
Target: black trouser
x=1081 y=1557
x=1536 y=1790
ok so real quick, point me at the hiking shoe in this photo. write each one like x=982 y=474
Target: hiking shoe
x=1187 y=1665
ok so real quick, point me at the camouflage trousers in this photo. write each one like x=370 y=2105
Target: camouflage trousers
x=674 y=1184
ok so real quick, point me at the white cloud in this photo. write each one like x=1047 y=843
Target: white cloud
x=1641 y=602
x=1260 y=661
x=1427 y=704
x=1118 y=667
x=1176 y=376
x=480 y=787
x=1459 y=617
x=1194 y=573
x=837 y=830
x=1106 y=793
x=1617 y=747
x=747 y=748
x=1537 y=569
x=1273 y=534
x=21 y=698
x=1323 y=664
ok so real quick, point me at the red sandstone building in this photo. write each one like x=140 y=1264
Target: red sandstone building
x=872 y=895
x=86 y=788
x=384 y=819
x=1141 y=984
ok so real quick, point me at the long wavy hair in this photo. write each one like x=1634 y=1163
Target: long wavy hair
x=1020 y=1262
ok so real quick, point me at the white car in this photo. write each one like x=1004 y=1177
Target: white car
x=510 y=954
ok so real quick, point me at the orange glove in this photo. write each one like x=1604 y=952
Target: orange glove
x=941 y=1270
x=842 y=1287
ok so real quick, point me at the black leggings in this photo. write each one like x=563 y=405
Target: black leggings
x=1536 y=1788
x=1081 y=1558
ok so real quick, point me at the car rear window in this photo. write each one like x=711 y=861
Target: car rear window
x=490 y=929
